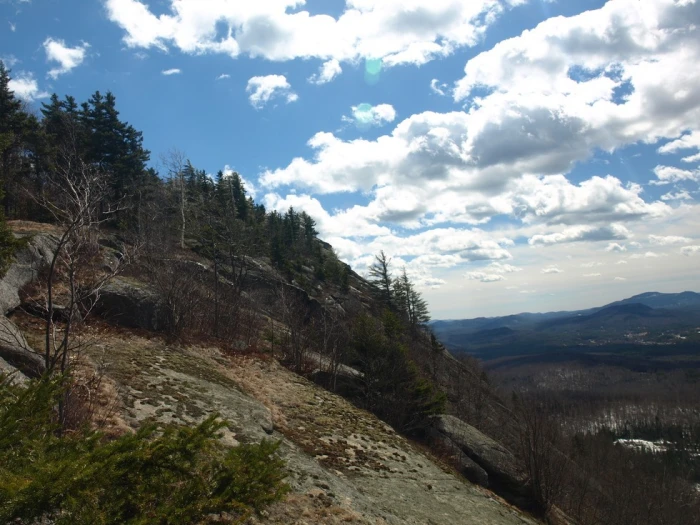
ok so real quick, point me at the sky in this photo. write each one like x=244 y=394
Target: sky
x=512 y=155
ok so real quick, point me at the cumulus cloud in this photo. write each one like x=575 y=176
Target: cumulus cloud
x=499 y=267
x=438 y=88
x=25 y=86
x=647 y=255
x=615 y=247
x=690 y=250
x=678 y=196
x=665 y=240
x=669 y=174
x=395 y=31
x=262 y=89
x=68 y=58
x=582 y=233
x=366 y=115
x=169 y=72
x=223 y=76
x=327 y=72
x=601 y=79
x=484 y=277
x=685 y=142
x=428 y=155
x=552 y=270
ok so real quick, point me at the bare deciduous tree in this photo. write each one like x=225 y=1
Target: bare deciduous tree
x=74 y=195
x=174 y=162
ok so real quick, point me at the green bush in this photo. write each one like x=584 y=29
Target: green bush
x=163 y=475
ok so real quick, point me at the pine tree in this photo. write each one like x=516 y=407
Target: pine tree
x=380 y=278
x=410 y=302
x=16 y=130
x=113 y=146
x=13 y=124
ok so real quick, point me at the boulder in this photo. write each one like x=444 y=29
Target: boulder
x=28 y=262
x=9 y=372
x=504 y=476
x=16 y=352
x=131 y=304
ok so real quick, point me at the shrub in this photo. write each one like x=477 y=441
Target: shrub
x=160 y=474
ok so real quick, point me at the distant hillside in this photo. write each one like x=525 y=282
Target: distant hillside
x=647 y=319
x=663 y=300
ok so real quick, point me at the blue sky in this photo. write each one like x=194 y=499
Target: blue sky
x=514 y=155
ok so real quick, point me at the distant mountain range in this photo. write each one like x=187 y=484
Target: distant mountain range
x=650 y=318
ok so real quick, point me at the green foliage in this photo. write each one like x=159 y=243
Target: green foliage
x=391 y=385
x=166 y=475
x=380 y=279
x=8 y=244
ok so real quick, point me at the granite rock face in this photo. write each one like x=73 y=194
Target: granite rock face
x=131 y=304
x=504 y=476
x=16 y=352
x=29 y=261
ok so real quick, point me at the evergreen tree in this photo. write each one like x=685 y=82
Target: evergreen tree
x=410 y=302
x=380 y=279
x=17 y=128
x=13 y=125
x=113 y=146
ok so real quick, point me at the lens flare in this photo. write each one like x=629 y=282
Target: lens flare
x=373 y=70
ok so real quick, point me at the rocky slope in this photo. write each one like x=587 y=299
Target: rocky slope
x=345 y=465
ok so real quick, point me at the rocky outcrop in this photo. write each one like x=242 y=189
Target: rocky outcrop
x=344 y=465
x=16 y=352
x=131 y=304
x=500 y=465
x=28 y=262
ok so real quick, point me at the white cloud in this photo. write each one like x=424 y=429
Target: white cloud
x=327 y=72
x=552 y=270
x=499 y=267
x=665 y=240
x=169 y=72
x=678 y=196
x=13 y=27
x=250 y=188
x=647 y=255
x=263 y=89
x=438 y=88
x=669 y=174
x=223 y=76
x=26 y=87
x=592 y=275
x=484 y=277
x=68 y=58
x=620 y=279
x=607 y=77
x=687 y=141
x=428 y=155
x=582 y=233
x=615 y=247
x=366 y=115
x=395 y=31
x=9 y=60
x=622 y=262
x=690 y=250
